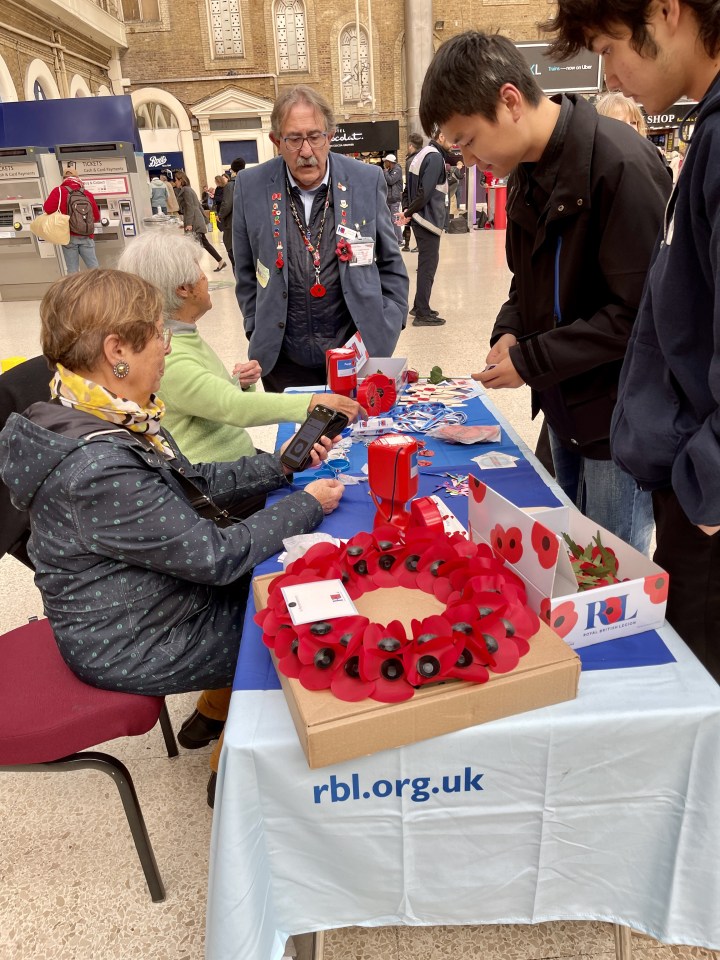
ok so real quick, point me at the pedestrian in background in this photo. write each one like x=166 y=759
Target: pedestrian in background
x=415 y=143
x=394 y=181
x=225 y=213
x=194 y=217
x=72 y=199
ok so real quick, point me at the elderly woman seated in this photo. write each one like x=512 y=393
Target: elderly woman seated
x=206 y=410
x=139 y=562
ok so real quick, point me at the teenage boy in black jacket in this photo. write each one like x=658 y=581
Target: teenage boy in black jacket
x=666 y=427
x=585 y=203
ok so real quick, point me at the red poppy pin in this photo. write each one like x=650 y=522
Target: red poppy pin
x=344 y=251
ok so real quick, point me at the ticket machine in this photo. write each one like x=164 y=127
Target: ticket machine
x=28 y=265
x=116 y=177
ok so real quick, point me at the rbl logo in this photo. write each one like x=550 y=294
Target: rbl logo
x=610 y=610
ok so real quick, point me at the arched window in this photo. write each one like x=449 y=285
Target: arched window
x=354 y=65
x=226 y=28
x=39 y=91
x=290 y=35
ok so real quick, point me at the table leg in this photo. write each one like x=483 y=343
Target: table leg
x=623 y=942
x=309 y=946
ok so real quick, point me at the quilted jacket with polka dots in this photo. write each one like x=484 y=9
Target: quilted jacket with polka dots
x=142 y=593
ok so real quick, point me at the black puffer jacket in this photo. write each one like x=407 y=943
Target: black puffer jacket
x=579 y=273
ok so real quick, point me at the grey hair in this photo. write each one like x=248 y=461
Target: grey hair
x=167 y=260
x=300 y=94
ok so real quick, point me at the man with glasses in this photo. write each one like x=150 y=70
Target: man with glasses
x=316 y=258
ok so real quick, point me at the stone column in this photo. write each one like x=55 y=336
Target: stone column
x=418 y=54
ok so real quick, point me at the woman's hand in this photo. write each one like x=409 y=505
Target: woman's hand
x=318 y=453
x=327 y=493
x=248 y=373
x=351 y=408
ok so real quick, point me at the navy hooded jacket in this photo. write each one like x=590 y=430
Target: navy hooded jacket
x=666 y=426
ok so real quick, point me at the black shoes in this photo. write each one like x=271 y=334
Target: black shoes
x=212 y=783
x=413 y=250
x=406 y=248
x=433 y=320
x=198 y=731
x=220 y=266
x=433 y=313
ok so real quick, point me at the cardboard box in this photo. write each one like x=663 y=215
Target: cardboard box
x=580 y=618
x=393 y=367
x=331 y=730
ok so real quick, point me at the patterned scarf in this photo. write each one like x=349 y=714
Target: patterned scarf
x=88 y=397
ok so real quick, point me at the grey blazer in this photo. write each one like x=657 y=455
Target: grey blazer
x=376 y=295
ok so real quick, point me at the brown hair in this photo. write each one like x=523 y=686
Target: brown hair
x=80 y=310
x=300 y=94
x=576 y=21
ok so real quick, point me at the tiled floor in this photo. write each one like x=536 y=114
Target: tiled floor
x=71 y=887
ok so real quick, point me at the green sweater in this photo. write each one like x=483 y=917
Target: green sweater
x=206 y=411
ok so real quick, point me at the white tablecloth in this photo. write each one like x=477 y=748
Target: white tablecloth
x=602 y=808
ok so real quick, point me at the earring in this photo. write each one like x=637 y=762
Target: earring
x=121 y=369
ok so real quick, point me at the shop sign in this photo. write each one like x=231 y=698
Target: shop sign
x=582 y=73
x=672 y=117
x=164 y=160
x=383 y=136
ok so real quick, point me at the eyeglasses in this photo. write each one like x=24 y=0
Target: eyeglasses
x=314 y=139
x=165 y=335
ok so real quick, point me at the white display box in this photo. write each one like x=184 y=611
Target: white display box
x=531 y=543
x=393 y=367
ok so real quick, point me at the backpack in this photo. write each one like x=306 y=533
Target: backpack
x=80 y=211
x=458 y=225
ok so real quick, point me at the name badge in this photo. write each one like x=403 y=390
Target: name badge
x=347 y=232
x=363 y=252
x=262 y=274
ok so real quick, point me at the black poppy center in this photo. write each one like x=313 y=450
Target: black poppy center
x=351 y=667
x=465 y=659
x=428 y=667
x=485 y=611
x=389 y=644
x=324 y=658
x=321 y=629
x=392 y=669
x=435 y=567
x=345 y=639
x=386 y=561
x=463 y=627
x=509 y=627
x=411 y=562
x=424 y=637
x=385 y=545
x=545 y=543
x=361 y=568
x=354 y=551
x=491 y=643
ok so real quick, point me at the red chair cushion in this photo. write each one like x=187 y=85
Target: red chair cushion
x=48 y=713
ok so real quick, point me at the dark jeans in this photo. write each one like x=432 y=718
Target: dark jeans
x=428 y=244
x=287 y=373
x=205 y=243
x=227 y=240
x=692 y=559
x=406 y=234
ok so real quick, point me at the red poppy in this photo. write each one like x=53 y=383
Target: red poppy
x=521 y=623
x=346 y=682
x=545 y=544
x=563 y=618
x=286 y=647
x=279 y=263
x=477 y=489
x=545 y=609
x=353 y=559
x=344 y=251
x=323 y=648
x=389 y=551
x=612 y=610
x=381 y=662
x=507 y=543
x=656 y=587
x=492 y=645
x=433 y=651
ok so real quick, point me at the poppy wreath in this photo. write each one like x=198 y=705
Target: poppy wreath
x=485 y=627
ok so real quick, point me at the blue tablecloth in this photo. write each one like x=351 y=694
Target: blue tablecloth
x=526 y=485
